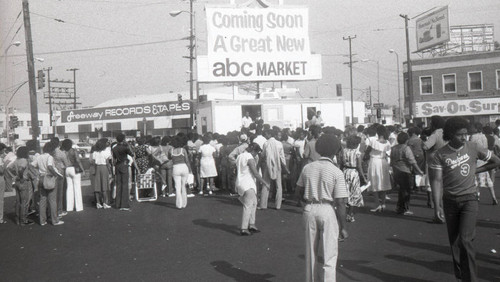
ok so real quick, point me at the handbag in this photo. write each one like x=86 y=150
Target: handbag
x=49 y=182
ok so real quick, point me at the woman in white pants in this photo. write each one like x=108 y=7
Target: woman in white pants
x=181 y=170
x=73 y=175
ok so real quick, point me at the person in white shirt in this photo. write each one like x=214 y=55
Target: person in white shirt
x=101 y=158
x=246 y=120
x=246 y=187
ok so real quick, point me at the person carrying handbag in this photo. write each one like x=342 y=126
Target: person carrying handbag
x=74 y=172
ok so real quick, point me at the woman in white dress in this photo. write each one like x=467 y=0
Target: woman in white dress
x=246 y=165
x=378 y=168
x=208 y=170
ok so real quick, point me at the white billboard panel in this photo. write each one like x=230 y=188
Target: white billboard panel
x=433 y=29
x=254 y=44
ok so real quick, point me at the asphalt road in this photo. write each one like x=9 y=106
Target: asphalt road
x=157 y=242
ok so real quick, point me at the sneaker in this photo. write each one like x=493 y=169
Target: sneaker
x=387 y=197
x=245 y=232
x=408 y=213
x=200 y=193
x=60 y=222
x=99 y=206
x=27 y=222
x=125 y=209
x=43 y=223
x=171 y=195
x=106 y=206
x=190 y=195
x=63 y=214
x=210 y=192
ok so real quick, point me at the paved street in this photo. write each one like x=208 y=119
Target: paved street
x=155 y=241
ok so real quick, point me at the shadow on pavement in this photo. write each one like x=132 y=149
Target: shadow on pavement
x=361 y=266
x=237 y=274
x=219 y=226
x=444 y=249
x=165 y=204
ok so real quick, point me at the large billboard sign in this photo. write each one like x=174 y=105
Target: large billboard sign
x=258 y=44
x=128 y=111
x=466 y=107
x=433 y=29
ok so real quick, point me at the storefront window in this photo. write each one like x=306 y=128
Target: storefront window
x=475 y=81
x=425 y=85
x=449 y=83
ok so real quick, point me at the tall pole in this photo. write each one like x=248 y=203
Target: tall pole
x=408 y=63
x=31 y=72
x=191 y=60
x=74 y=86
x=378 y=82
x=350 y=38
x=399 y=90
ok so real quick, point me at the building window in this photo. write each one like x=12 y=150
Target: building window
x=21 y=123
x=475 y=81
x=28 y=123
x=1 y=123
x=425 y=85
x=449 y=83
x=40 y=123
x=498 y=79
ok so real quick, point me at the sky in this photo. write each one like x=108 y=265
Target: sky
x=124 y=48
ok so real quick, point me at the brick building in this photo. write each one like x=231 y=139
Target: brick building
x=465 y=85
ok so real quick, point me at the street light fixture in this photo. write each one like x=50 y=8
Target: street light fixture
x=191 y=53
x=399 y=87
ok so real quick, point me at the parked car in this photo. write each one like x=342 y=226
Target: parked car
x=83 y=149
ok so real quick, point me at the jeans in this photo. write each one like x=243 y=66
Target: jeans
x=322 y=233
x=51 y=197
x=2 y=195
x=404 y=181
x=249 y=201
x=22 y=200
x=60 y=194
x=121 y=184
x=461 y=215
x=74 y=192
x=180 y=174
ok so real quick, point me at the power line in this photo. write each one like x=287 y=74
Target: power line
x=87 y=26
x=102 y=48
x=10 y=29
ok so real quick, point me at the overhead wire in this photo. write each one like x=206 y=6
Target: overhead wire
x=10 y=29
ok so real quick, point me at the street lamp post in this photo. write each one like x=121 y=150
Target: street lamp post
x=7 y=129
x=399 y=86
x=191 y=54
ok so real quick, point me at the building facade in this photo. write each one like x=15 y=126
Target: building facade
x=465 y=85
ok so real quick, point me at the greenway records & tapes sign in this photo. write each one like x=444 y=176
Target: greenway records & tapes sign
x=258 y=44
x=128 y=111
x=467 y=107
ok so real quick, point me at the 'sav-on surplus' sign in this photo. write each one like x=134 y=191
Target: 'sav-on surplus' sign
x=433 y=29
x=466 y=107
x=254 y=44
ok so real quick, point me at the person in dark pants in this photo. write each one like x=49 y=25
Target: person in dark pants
x=402 y=161
x=120 y=153
x=452 y=173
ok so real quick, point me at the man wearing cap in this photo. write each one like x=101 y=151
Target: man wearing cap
x=325 y=194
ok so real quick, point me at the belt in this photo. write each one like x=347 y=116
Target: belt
x=329 y=202
x=351 y=167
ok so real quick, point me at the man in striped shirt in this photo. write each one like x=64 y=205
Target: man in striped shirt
x=325 y=193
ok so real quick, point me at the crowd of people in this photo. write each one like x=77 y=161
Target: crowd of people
x=261 y=164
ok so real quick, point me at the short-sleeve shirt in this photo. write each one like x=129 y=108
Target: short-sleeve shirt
x=42 y=162
x=322 y=180
x=244 y=178
x=458 y=167
x=402 y=158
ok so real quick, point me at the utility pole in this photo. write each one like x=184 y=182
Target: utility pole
x=350 y=38
x=191 y=61
x=408 y=63
x=31 y=72
x=74 y=86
